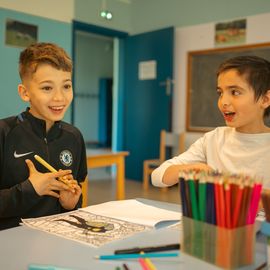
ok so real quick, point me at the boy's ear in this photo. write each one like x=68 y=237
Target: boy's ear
x=23 y=93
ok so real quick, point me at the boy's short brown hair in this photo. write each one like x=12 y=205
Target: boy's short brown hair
x=255 y=70
x=43 y=53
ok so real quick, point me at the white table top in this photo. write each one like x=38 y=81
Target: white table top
x=22 y=246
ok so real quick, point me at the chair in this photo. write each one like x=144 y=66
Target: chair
x=169 y=142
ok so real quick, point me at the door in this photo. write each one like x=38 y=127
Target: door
x=94 y=58
x=147 y=102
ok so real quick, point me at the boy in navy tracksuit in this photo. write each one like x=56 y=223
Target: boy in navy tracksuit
x=27 y=189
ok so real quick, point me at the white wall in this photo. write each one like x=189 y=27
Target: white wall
x=60 y=10
x=200 y=37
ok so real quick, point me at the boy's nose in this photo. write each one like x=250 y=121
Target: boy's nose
x=225 y=101
x=58 y=95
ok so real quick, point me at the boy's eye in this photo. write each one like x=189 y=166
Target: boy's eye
x=46 y=88
x=235 y=92
x=219 y=92
x=67 y=86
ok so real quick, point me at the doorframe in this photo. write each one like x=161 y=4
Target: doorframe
x=118 y=76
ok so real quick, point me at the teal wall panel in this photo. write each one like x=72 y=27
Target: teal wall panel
x=48 y=31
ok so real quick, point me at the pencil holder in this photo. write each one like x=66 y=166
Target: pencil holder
x=226 y=248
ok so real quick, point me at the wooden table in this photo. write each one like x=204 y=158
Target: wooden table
x=101 y=158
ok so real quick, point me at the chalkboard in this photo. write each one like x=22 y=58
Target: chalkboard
x=202 y=110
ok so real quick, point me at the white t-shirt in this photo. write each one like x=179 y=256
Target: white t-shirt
x=226 y=150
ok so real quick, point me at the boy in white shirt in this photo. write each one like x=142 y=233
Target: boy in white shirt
x=243 y=86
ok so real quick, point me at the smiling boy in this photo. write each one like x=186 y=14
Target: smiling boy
x=27 y=189
x=243 y=87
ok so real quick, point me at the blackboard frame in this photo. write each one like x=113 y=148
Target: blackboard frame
x=202 y=113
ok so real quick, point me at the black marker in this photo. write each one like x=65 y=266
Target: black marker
x=147 y=249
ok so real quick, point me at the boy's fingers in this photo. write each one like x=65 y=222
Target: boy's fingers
x=54 y=194
x=60 y=173
x=30 y=165
x=58 y=185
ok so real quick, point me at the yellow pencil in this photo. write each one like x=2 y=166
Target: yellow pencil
x=150 y=264
x=50 y=168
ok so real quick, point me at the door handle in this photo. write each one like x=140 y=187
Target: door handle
x=168 y=84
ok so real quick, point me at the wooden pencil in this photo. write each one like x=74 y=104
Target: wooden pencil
x=237 y=205
x=227 y=189
x=183 y=194
x=193 y=197
x=50 y=168
x=266 y=203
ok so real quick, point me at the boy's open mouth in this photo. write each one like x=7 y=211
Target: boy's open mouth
x=228 y=115
x=56 y=108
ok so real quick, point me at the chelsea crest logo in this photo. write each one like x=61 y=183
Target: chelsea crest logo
x=66 y=158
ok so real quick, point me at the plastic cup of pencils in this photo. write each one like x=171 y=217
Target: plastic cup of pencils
x=226 y=248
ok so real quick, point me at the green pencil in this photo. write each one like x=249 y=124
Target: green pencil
x=202 y=199
x=193 y=197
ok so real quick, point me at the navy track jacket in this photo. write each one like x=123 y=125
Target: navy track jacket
x=21 y=137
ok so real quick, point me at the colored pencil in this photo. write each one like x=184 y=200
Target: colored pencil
x=136 y=256
x=266 y=203
x=221 y=203
x=202 y=199
x=210 y=204
x=143 y=264
x=189 y=212
x=150 y=264
x=193 y=196
x=183 y=196
x=258 y=189
x=134 y=250
x=50 y=168
x=245 y=204
x=228 y=205
x=125 y=266
x=217 y=203
x=237 y=206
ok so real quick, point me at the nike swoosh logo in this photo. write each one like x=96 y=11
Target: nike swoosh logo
x=21 y=155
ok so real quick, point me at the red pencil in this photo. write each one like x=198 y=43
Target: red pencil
x=258 y=189
x=228 y=205
x=221 y=204
x=254 y=203
x=239 y=195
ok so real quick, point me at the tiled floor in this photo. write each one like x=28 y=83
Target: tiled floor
x=104 y=190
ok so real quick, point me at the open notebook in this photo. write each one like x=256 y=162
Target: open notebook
x=100 y=224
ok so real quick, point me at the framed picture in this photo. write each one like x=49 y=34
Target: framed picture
x=19 y=34
x=230 y=33
x=202 y=111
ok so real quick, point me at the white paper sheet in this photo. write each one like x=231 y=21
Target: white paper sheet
x=134 y=211
x=84 y=227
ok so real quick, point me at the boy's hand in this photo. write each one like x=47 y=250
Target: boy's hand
x=46 y=183
x=69 y=198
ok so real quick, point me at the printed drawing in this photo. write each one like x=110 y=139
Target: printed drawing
x=85 y=227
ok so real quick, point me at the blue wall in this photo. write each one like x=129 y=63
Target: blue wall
x=48 y=31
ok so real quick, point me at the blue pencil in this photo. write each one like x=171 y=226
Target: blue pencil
x=136 y=256
x=183 y=196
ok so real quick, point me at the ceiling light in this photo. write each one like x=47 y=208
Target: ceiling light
x=104 y=13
